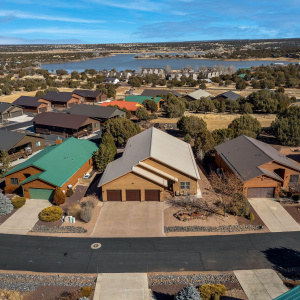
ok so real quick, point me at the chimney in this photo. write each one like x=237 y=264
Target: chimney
x=58 y=141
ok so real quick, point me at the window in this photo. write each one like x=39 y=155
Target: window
x=38 y=144
x=96 y=125
x=14 y=181
x=294 y=178
x=185 y=185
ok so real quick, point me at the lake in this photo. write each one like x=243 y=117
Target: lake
x=121 y=62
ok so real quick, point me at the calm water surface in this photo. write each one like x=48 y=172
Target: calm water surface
x=122 y=62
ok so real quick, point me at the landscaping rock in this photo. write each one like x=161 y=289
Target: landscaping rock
x=27 y=283
x=194 y=279
x=223 y=228
x=61 y=229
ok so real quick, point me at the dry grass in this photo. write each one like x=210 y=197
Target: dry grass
x=220 y=120
x=10 y=295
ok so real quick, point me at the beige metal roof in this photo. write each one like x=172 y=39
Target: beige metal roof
x=158 y=145
x=199 y=94
x=150 y=176
x=158 y=171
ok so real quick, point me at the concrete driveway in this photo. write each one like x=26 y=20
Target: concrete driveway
x=276 y=218
x=263 y=284
x=130 y=219
x=24 y=218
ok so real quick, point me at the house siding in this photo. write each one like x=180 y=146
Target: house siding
x=182 y=177
x=131 y=181
x=20 y=175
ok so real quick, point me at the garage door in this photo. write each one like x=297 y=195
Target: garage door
x=114 y=195
x=266 y=192
x=133 y=195
x=16 y=113
x=44 y=194
x=152 y=195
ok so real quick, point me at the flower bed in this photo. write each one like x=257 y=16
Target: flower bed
x=184 y=215
x=223 y=228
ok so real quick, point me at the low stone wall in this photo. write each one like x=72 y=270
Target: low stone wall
x=62 y=229
x=224 y=228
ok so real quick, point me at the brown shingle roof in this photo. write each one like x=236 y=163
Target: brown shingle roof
x=59 y=120
x=87 y=93
x=62 y=97
x=26 y=101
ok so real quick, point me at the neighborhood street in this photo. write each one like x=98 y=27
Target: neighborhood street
x=210 y=253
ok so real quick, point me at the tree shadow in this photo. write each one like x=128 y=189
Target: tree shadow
x=162 y=296
x=285 y=261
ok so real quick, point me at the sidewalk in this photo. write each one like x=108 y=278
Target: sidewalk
x=263 y=284
x=122 y=286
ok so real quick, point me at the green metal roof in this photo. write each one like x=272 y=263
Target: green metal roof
x=242 y=75
x=141 y=99
x=293 y=294
x=59 y=162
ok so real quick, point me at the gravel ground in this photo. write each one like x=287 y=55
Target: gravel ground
x=165 y=286
x=29 y=282
x=62 y=229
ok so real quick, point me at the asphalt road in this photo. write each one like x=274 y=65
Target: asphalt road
x=210 y=253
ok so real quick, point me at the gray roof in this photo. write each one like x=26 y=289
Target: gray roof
x=95 y=111
x=9 y=138
x=230 y=95
x=245 y=155
x=156 y=144
x=155 y=93
x=4 y=106
x=198 y=94
x=87 y=93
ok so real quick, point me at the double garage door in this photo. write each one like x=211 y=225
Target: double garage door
x=133 y=195
x=43 y=194
x=263 y=192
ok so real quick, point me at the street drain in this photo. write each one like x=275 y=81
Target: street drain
x=96 y=246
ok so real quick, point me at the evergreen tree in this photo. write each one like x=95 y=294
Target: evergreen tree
x=142 y=113
x=191 y=125
x=188 y=293
x=246 y=125
x=106 y=152
x=5 y=164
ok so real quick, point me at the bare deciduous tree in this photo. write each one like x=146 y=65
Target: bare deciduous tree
x=226 y=185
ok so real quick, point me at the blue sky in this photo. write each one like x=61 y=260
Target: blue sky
x=110 y=21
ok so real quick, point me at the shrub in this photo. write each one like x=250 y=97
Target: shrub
x=51 y=214
x=296 y=197
x=10 y=295
x=86 y=291
x=239 y=205
x=251 y=217
x=68 y=296
x=18 y=202
x=188 y=293
x=6 y=206
x=69 y=193
x=59 y=197
x=86 y=214
x=90 y=201
x=212 y=291
x=75 y=210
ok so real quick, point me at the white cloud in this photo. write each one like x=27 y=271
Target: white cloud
x=22 y=15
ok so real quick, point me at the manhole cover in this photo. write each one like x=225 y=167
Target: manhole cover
x=96 y=246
